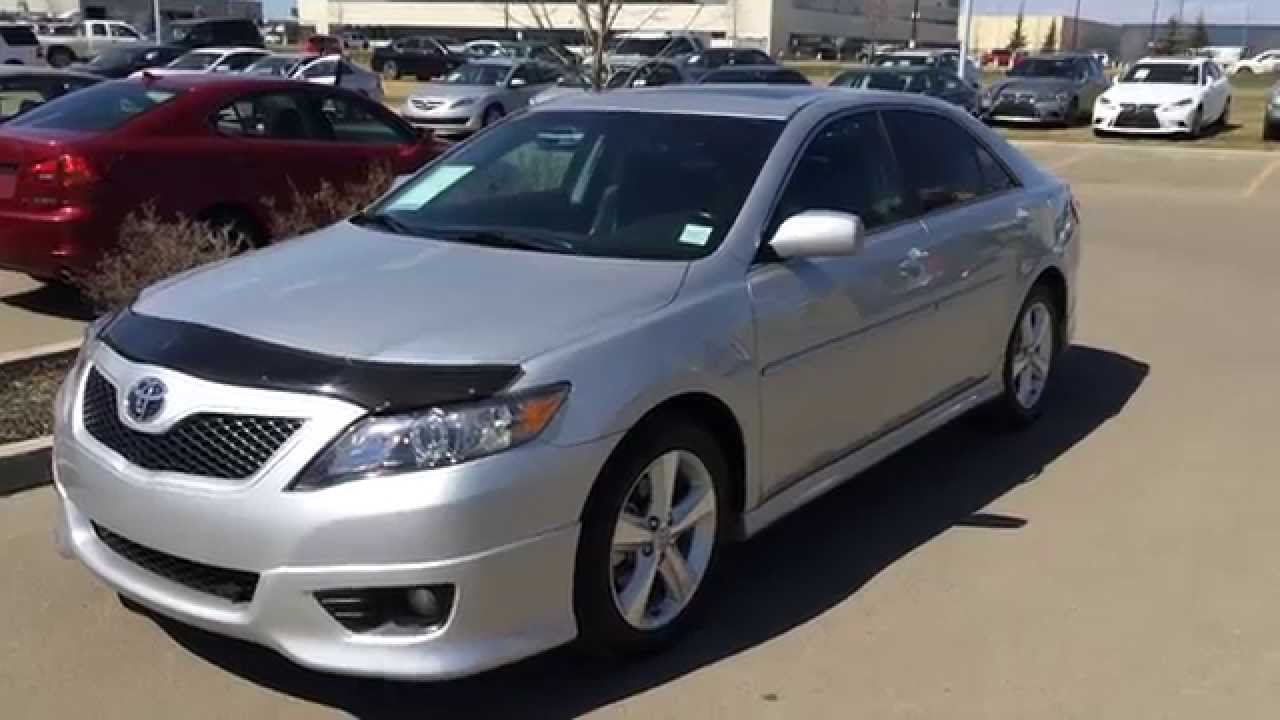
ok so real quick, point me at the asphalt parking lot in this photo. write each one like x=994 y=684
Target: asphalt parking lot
x=1115 y=561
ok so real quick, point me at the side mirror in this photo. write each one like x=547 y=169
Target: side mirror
x=518 y=82
x=819 y=233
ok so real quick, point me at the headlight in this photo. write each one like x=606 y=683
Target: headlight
x=434 y=438
x=1182 y=103
x=463 y=102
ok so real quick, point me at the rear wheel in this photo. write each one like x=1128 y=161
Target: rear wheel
x=390 y=70
x=1029 y=358
x=1197 y=124
x=60 y=57
x=651 y=535
x=1271 y=132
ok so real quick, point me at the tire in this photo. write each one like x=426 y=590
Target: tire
x=492 y=114
x=1271 y=132
x=1225 y=117
x=390 y=70
x=1197 y=125
x=1244 y=71
x=1022 y=404
x=604 y=574
x=60 y=57
x=1073 y=113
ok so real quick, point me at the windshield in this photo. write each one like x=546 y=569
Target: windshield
x=902 y=60
x=1167 y=74
x=648 y=47
x=775 y=77
x=894 y=82
x=195 y=61
x=614 y=184
x=117 y=56
x=280 y=66
x=100 y=107
x=1043 y=67
x=478 y=75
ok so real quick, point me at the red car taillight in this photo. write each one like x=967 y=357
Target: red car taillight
x=57 y=182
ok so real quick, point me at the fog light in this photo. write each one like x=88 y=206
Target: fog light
x=423 y=601
x=389 y=611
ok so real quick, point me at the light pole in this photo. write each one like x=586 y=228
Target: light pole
x=1075 y=28
x=915 y=21
x=155 y=6
x=1155 y=18
x=964 y=39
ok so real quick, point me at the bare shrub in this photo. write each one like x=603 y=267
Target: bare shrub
x=151 y=249
x=305 y=212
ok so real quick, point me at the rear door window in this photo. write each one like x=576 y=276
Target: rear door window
x=102 y=107
x=121 y=31
x=272 y=116
x=939 y=159
x=351 y=121
x=98 y=30
x=240 y=61
x=18 y=36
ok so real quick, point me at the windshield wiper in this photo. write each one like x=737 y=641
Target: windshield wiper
x=499 y=239
x=382 y=221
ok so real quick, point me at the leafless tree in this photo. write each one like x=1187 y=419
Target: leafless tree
x=878 y=14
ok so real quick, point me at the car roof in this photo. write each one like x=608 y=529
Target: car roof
x=225 y=50
x=901 y=69
x=1175 y=60
x=775 y=102
x=498 y=61
x=214 y=82
x=198 y=21
x=42 y=71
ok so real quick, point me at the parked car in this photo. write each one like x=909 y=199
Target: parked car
x=210 y=147
x=477 y=95
x=209 y=60
x=634 y=48
x=575 y=80
x=1260 y=64
x=216 y=32
x=483 y=48
x=1003 y=58
x=324 y=71
x=83 y=41
x=322 y=45
x=281 y=65
x=699 y=64
x=19 y=46
x=929 y=80
x=945 y=59
x=1271 y=115
x=568 y=364
x=541 y=51
x=653 y=73
x=756 y=75
x=355 y=41
x=1051 y=89
x=1165 y=96
x=23 y=89
x=124 y=60
x=421 y=56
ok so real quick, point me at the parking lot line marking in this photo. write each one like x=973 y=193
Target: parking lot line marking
x=1064 y=164
x=1262 y=178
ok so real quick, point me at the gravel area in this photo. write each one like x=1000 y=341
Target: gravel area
x=26 y=396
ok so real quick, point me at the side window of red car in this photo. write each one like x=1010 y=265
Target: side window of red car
x=352 y=122
x=274 y=116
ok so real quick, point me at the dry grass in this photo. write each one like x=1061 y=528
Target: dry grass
x=304 y=212
x=27 y=389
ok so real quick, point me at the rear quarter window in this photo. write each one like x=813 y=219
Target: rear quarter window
x=18 y=36
x=97 y=108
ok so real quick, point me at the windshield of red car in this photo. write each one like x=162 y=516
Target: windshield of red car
x=101 y=107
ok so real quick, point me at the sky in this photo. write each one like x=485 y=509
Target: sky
x=1224 y=12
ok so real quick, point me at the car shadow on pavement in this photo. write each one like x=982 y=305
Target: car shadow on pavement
x=53 y=299
x=790 y=574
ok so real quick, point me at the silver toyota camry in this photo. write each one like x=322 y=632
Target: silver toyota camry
x=530 y=395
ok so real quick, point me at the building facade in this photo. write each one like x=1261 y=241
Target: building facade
x=139 y=13
x=773 y=25
x=993 y=32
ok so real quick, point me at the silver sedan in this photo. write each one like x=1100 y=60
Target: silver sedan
x=478 y=94
x=532 y=394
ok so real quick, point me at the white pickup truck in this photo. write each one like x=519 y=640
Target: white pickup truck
x=82 y=41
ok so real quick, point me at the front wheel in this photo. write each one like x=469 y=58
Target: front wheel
x=1271 y=132
x=1225 y=118
x=651 y=535
x=1197 y=124
x=1029 y=358
x=390 y=70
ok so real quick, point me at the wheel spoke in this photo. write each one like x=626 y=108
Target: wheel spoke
x=1042 y=329
x=1041 y=365
x=631 y=533
x=676 y=576
x=1028 y=333
x=1020 y=363
x=635 y=598
x=662 y=484
x=693 y=509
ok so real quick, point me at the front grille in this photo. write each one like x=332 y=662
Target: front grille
x=420 y=104
x=1131 y=107
x=1015 y=109
x=236 y=586
x=1137 y=118
x=216 y=445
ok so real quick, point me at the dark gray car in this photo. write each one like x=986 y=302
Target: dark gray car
x=920 y=80
x=1047 y=89
x=1271 y=116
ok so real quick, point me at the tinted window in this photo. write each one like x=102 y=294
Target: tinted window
x=320 y=69
x=939 y=159
x=657 y=76
x=629 y=184
x=123 y=32
x=278 y=116
x=18 y=35
x=101 y=107
x=1163 y=73
x=847 y=167
x=352 y=121
x=995 y=178
x=1044 y=67
x=98 y=30
x=470 y=74
x=196 y=61
x=679 y=46
x=240 y=61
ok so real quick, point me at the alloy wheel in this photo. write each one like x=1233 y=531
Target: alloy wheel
x=1033 y=355
x=663 y=540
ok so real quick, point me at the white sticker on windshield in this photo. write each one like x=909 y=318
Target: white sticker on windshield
x=436 y=182
x=1141 y=73
x=695 y=235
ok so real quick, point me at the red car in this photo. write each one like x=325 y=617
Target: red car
x=211 y=147
x=322 y=45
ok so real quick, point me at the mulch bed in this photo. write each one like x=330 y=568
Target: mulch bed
x=26 y=396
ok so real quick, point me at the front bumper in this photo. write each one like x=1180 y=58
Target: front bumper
x=1143 y=120
x=445 y=121
x=501 y=531
x=48 y=245
x=1047 y=112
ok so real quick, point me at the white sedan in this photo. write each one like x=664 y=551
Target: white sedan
x=209 y=60
x=324 y=71
x=1260 y=64
x=1165 y=96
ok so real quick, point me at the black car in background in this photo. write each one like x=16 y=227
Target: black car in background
x=930 y=80
x=24 y=88
x=755 y=75
x=121 y=61
x=701 y=63
x=216 y=32
x=421 y=56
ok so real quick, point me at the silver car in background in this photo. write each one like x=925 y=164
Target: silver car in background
x=477 y=94
x=531 y=394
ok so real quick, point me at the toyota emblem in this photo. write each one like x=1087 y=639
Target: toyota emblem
x=146 y=399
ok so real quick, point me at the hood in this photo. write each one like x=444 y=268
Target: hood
x=1151 y=93
x=356 y=293
x=1038 y=85
x=453 y=92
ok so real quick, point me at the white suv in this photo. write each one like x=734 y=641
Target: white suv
x=19 y=46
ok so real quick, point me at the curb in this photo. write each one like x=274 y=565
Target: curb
x=25 y=464
x=39 y=351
